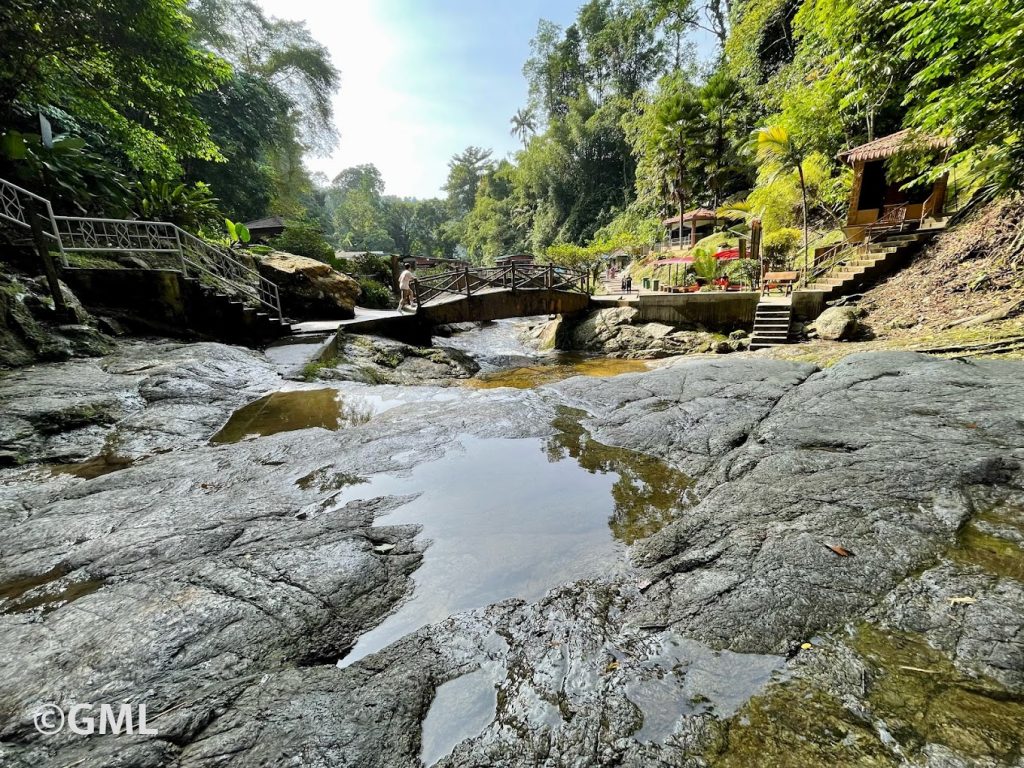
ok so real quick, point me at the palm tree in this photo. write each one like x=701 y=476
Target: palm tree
x=524 y=123
x=775 y=147
x=680 y=136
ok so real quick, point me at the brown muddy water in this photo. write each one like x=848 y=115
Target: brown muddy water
x=555 y=369
x=508 y=361
x=46 y=591
x=510 y=518
x=300 y=409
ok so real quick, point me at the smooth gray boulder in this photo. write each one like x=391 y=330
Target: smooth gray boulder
x=838 y=323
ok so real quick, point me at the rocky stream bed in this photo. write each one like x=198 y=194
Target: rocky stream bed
x=720 y=561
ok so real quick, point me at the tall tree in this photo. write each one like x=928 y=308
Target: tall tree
x=465 y=170
x=279 y=50
x=524 y=124
x=971 y=84
x=782 y=152
x=122 y=71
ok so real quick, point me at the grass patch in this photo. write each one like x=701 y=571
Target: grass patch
x=311 y=370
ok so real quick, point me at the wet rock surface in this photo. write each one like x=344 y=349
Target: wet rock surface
x=616 y=332
x=31 y=331
x=377 y=360
x=848 y=557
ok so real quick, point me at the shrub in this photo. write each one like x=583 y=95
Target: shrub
x=190 y=207
x=304 y=239
x=373 y=266
x=778 y=247
x=746 y=271
x=375 y=295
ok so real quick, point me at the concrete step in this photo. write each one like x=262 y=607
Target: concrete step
x=929 y=225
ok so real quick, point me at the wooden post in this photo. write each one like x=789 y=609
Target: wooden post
x=513 y=276
x=465 y=275
x=52 y=280
x=394 y=275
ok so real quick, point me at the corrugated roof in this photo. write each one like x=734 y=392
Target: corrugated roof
x=893 y=144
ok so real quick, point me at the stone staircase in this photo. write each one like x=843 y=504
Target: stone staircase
x=229 y=315
x=772 y=320
x=168 y=303
x=890 y=252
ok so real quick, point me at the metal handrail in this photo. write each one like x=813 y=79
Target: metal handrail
x=15 y=210
x=91 y=234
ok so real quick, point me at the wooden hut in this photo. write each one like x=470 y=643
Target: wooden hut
x=262 y=230
x=698 y=223
x=878 y=201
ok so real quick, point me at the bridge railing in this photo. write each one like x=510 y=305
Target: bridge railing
x=514 y=277
x=179 y=249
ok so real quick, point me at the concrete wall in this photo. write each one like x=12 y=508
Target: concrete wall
x=720 y=310
x=162 y=301
x=715 y=310
x=807 y=305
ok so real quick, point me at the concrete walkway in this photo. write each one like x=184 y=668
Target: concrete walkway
x=362 y=314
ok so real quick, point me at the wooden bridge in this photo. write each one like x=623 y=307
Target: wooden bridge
x=492 y=293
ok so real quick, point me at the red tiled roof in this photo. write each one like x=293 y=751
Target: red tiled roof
x=893 y=144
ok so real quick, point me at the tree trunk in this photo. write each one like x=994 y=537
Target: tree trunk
x=803 y=194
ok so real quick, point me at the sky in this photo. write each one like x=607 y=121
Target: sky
x=423 y=79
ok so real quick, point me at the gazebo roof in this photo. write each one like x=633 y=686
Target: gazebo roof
x=697 y=214
x=893 y=144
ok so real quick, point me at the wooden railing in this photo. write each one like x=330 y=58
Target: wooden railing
x=514 y=277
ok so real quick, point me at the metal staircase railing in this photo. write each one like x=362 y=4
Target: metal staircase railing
x=95 y=235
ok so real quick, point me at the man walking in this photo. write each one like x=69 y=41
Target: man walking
x=405 y=285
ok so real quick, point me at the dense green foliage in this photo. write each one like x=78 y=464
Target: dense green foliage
x=622 y=129
x=197 y=110
x=303 y=239
x=206 y=106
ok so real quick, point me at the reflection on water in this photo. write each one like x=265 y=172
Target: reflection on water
x=298 y=409
x=514 y=518
x=461 y=709
x=561 y=367
x=685 y=677
x=47 y=590
x=647 y=491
